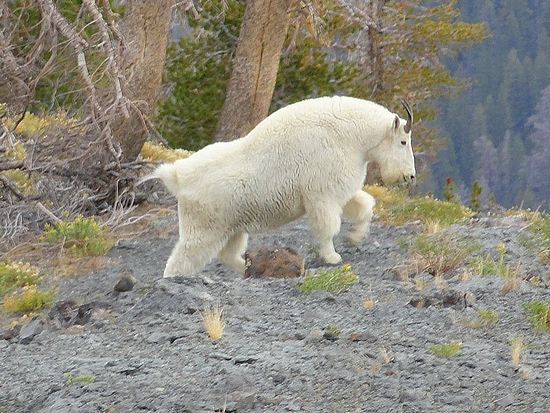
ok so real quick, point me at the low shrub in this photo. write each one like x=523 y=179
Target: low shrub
x=17 y=275
x=28 y=300
x=81 y=237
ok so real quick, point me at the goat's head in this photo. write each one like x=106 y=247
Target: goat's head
x=394 y=154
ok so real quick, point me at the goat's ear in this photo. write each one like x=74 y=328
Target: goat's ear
x=396 y=123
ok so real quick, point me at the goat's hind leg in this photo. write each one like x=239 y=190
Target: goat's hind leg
x=324 y=218
x=191 y=254
x=359 y=210
x=231 y=254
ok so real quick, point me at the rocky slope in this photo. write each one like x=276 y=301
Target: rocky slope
x=99 y=350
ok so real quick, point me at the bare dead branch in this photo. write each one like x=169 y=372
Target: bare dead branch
x=9 y=165
x=7 y=184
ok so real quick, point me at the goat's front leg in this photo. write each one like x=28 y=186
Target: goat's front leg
x=324 y=218
x=359 y=210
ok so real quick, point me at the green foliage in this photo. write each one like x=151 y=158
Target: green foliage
x=199 y=67
x=475 y=193
x=334 y=280
x=447 y=350
x=308 y=72
x=16 y=275
x=501 y=103
x=28 y=300
x=81 y=237
x=61 y=85
x=539 y=314
x=81 y=379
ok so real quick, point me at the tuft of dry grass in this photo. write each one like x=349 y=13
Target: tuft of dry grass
x=369 y=303
x=213 y=320
x=517 y=345
x=386 y=357
x=438 y=254
x=432 y=226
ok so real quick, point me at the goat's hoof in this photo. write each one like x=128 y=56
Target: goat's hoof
x=333 y=258
x=355 y=239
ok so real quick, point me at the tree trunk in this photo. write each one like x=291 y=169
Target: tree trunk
x=145 y=28
x=376 y=47
x=263 y=32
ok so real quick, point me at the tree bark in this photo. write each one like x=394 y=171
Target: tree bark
x=376 y=47
x=255 y=65
x=145 y=28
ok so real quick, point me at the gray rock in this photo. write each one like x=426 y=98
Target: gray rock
x=240 y=401
x=314 y=336
x=31 y=330
x=125 y=283
x=158 y=337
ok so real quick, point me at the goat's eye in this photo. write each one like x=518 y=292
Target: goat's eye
x=403 y=143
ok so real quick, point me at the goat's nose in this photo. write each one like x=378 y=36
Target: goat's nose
x=412 y=177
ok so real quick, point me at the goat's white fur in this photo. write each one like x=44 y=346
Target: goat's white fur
x=307 y=158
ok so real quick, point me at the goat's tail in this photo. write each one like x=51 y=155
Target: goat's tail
x=167 y=173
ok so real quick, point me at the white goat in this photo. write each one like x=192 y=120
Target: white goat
x=307 y=158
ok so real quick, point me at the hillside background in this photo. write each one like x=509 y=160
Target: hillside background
x=498 y=130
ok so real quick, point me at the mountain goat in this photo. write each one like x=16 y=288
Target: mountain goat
x=308 y=158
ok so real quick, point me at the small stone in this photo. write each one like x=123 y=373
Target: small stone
x=240 y=401
x=11 y=333
x=408 y=396
x=314 y=336
x=31 y=330
x=245 y=360
x=157 y=337
x=276 y=263
x=221 y=356
x=125 y=283
x=278 y=379
x=362 y=337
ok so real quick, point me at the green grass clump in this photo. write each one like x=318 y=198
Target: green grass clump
x=394 y=207
x=488 y=265
x=425 y=210
x=447 y=350
x=81 y=237
x=16 y=275
x=28 y=300
x=539 y=314
x=439 y=253
x=83 y=379
x=334 y=280
x=487 y=317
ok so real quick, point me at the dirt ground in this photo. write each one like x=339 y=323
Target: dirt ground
x=146 y=350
